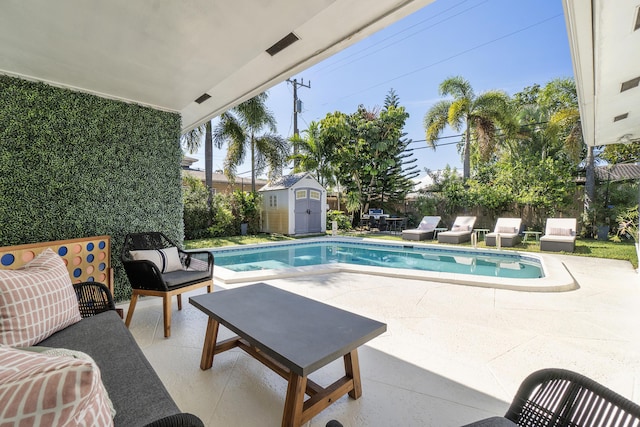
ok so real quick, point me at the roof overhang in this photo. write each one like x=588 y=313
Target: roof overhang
x=604 y=37
x=167 y=54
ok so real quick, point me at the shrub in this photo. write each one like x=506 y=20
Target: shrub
x=343 y=220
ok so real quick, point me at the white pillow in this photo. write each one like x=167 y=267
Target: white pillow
x=167 y=260
x=36 y=300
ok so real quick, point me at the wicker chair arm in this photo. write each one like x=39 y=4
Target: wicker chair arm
x=93 y=298
x=178 y=420
x=144 y=274
x=204 y=256
x=558 y=397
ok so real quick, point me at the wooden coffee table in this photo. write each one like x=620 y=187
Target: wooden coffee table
x=293 y=336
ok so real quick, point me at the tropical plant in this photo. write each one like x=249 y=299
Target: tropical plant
x=192 y=140
x=314 y=155
x=240 y=128
x=481 y=116
x=628 y=223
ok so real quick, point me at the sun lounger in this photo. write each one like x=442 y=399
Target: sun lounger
x=508 y=229
x=424 y=231
x=460 y=231
x=559 y=235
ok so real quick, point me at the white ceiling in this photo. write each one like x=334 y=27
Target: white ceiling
x=165 y=54
x=606 y=52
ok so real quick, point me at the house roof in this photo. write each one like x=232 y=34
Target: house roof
x=286 y=181
x=621 y=172
x=222 y=178
x=604 y=37
x=168 y=54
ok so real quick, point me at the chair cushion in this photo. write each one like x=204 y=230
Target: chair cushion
x=36 y=301
x=167 y=260
x=559 y=231
x=460 y=228
x=506 y=230
x=39 y=389
x=182 y=278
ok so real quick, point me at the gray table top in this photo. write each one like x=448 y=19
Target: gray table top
x=302 y=334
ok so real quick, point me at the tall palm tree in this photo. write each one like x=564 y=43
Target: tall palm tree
x=192 y=141
x=240 y=128
x=480 y=115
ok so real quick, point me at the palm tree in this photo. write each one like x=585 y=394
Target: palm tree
x=480 y=115
x=192 y=140
x=240 y=129
x=314 y=155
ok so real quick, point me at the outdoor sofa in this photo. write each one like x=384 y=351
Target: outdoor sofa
x=41 y=311
x=559 y=235
x=424 y=231
x=460 y=231
x=509 y=231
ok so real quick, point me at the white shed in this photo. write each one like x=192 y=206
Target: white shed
x=294 y=204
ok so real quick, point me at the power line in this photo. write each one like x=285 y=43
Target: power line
x=402 y=39
x=476 y=47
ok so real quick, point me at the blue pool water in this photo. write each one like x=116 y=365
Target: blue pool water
x=277 y=257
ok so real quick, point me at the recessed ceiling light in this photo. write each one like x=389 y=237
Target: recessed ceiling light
x=283 y=43
x=203 y=98
x=620 y=117
x=630 y=84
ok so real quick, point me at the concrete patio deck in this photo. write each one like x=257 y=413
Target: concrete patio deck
x=452 y=354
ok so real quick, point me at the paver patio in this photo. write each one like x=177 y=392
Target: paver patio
x=452 y=354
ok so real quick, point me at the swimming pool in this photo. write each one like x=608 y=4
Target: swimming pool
x=505 y=269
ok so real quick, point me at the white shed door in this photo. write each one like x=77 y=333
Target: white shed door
x=307 y=211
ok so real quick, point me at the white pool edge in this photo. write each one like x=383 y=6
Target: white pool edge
x=556 y=276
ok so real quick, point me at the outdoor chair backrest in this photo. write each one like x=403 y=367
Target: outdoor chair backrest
x=429 y=223
x=560 y=227
x=508 y=225
x=464 y=223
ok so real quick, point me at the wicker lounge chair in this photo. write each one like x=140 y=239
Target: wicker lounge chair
x=509 y=231
x=559 y=235
x=558 y=398
x=562 y=398
x=460 y=231
x=156 y=267
x=424 y=231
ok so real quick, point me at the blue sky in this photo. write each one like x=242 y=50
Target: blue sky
x=495 y=44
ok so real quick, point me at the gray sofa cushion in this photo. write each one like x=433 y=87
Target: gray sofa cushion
x=135 y=389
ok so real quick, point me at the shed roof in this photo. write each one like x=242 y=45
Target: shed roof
x=286 y=181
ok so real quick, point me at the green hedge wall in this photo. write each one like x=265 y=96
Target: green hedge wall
x=77 y=165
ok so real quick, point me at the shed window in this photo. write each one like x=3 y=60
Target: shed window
x=315 y=195
x=273 y=201
x=301 y=194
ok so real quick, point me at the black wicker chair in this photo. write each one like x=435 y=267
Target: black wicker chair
x=147 y=279
x=561 y=398
x=93 y=298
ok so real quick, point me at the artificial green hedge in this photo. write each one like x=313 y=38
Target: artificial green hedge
x=77 y=165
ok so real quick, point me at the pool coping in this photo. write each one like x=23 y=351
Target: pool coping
x=556 y=276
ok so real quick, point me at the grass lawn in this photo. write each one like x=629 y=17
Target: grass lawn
x=584 y=247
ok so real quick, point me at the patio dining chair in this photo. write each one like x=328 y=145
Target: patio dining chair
x=155 y=266
x=562 y=398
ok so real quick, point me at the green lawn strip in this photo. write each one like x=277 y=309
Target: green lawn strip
x=584 y=247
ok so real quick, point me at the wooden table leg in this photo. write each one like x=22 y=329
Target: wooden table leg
x=352 y=369
x=210 y=338
x=294 y=401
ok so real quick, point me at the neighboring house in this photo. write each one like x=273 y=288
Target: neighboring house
x=220 y=182
x=294 y=204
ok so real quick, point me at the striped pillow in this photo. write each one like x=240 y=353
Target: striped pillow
x=36 y=301
x=37 y=389
x=167 y=260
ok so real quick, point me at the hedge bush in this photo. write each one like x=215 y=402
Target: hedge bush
x=76 y=165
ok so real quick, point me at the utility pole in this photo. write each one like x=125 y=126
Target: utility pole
x=297 y=106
